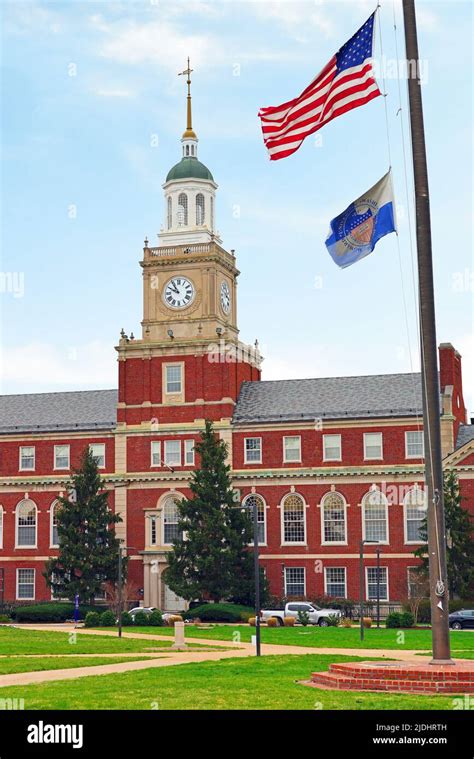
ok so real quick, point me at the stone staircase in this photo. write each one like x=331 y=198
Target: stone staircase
x=411 y=677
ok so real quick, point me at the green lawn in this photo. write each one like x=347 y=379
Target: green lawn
x=266 y=683
x=15 y=664
x=324 y=637
x=24 y=641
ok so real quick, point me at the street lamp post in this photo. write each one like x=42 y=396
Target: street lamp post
x=257 y=577
x=361 y=584
x=378 y=550
x=119 y=587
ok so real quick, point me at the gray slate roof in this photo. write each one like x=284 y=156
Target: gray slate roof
x=465 y=434
x=377 y=395
x=58 y=412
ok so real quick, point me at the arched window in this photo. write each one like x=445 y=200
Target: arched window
x=293 y=519
x=199 y=209
x=333 y=518
x=182 y=210
x=53 y=518
x=212 y=213
x=26 y=523
x=375 y=516
x=249 y=503
x=170 y=521
x=187 y=149
x=1 y=526
x=170 y=213
x=414 y=506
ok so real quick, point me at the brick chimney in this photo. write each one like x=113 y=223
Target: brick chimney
x=450 y=373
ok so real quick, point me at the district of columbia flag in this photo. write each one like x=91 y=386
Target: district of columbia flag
x=346 y=82
x=355 y=232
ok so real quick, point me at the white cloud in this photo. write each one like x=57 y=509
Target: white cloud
x=23 y=18
x=37 y=367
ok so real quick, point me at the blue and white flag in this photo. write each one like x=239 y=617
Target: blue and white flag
x=355 y=232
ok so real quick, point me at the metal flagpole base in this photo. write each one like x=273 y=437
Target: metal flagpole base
x=435 y=662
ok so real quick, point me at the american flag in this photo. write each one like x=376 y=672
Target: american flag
x=346 y=82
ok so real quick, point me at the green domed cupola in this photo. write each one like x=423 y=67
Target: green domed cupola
x=189 y=168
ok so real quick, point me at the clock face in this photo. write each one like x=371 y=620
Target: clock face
x=225 y=297
x=179 y=292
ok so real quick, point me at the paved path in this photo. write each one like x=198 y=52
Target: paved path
x=168 y=657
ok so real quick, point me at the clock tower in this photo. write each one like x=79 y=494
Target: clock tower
x=189 y=308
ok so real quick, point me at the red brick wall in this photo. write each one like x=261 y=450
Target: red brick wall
x=44 y=454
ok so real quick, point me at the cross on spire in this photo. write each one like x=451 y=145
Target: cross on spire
x=189 y=125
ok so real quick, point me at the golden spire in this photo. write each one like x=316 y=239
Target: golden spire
x=189 y=133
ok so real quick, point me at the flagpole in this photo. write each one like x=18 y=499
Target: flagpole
x=429 y=356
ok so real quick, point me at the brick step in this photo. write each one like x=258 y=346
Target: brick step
x=340 y=682
x=418 y=672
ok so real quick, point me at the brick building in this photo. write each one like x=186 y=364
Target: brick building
x=331 y=461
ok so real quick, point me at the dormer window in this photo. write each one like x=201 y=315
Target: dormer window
x=182 y=210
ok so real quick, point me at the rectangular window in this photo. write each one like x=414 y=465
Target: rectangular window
x=173 y=452
x=295 y=581
x=98 y=452
x=292 y=448
x=373 y=445
x=155 y=453
x=335 y=582
x=153 y=531
x=371 y=576
x=414 y=519
x=414 y=445
x=25 y=584
x=253 y=450
x=27 y=457
x=189 y=452
x=332 y=448
x=61 y=457
x=174 y=378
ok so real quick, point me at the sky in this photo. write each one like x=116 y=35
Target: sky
x=93 y=112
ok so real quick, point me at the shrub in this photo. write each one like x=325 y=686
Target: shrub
x=141 y=619
x=127 y=620
x=407 y=619
x=289 y=621
x=393 y=620
x=54 y=611
x=333 y=620
x=107 y=619
x=4 y=619
x=367 y=621
x=303 y=618
x=172 y=619
x=346 y=622
x=252 y=621
x=92 y=619
x=155 y=619
x=223 y=612
x=271 y=622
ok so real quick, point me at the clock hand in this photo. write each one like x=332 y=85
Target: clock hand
x=175 y=289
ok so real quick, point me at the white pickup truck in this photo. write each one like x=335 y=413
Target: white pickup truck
x=317 y=616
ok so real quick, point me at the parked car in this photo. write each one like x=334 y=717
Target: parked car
x=317 y=616
x=147 y=609
x=462 y=620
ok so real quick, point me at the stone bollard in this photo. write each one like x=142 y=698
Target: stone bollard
x=179 y=643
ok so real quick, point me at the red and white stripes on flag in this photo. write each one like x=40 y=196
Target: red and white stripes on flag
x=346 y=82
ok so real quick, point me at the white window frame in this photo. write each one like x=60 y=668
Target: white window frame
x=25 y=598
x=171 y=497
x=282 y=522
x=405 y=520
x=155 y=448
x=20 y=465
x=52 y=509
x=325 y=440
x=326 y=592
x=304 y=581
x=373 y=458
x=244 y=504
x=189 y=457
x=382 y=568
x=325 y=542
x=17 y=509
x=287 y=460
x=166 y=453
x=414 y=455
x=62 y=445
x=385 y=504
x=96 y=456
x=154 y=521
x=252 y=461
x=179 y=366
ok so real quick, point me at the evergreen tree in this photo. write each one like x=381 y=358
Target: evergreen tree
x=214 y=560
x=459 y=539
x=88 y=547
